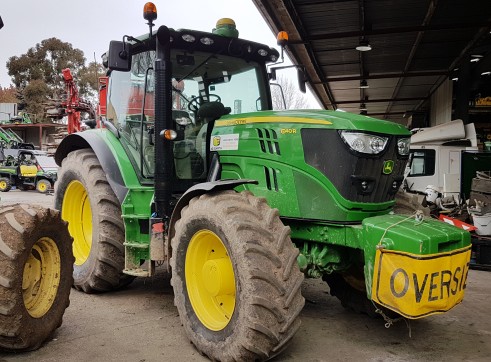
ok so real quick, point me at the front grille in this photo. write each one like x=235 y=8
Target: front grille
x=357 y=177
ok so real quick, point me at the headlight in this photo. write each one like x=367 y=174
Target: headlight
x=364 y=142
x=403 y=146
x=188 y=38
x=262 y=52
x=206 y=41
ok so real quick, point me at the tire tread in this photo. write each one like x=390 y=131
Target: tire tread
x=106 y=270
x=272 y=275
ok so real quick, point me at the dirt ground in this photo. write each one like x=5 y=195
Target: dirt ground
x=140 y=323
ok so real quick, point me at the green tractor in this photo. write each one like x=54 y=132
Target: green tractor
x=192 y=169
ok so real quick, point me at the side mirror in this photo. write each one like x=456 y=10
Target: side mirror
x=119 y=56
x=301 y=80
x=1 y=23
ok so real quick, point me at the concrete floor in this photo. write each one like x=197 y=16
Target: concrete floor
x=141 y=323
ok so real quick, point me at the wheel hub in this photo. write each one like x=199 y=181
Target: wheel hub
x=41 y=277
x=217 y=277
x=210 y=280
x=76 y=210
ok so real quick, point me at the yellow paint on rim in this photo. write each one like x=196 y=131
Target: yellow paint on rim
x=41 y=277
x=76 y=210
x=270 y=119
x=42 y=186
x=3 y=185
x=210 y=280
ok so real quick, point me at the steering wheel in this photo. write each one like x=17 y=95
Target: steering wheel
x=193 y=104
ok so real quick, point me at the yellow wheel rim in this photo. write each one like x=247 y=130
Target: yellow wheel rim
x=210 y=280
x=42 y=186
x=76 y=210
x=3 y=185
x=41 y=277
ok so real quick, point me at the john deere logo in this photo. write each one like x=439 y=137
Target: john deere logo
x=216 y=141
x=388 y=167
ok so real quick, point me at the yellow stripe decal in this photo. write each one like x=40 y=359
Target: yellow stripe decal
x=276 y=119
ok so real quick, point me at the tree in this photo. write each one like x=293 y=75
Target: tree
x=37 y=73
x=88 y=80
x=34 y=95
x=288 y=91
x=8 y=95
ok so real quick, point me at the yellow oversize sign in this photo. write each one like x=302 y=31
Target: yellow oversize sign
x=416 y=286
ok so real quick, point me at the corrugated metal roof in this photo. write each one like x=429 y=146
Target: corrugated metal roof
x=416 y=45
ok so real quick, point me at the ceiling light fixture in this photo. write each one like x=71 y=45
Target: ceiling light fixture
x=486 y=73
x=473 y=60
x=364 y=46
x=364 y=84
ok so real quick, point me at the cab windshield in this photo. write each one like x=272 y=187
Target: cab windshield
x=198 y=78
x=232 y=81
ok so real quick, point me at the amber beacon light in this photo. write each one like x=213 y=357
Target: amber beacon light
x=150 y=11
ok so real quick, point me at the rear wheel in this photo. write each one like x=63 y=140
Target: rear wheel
x=43 y=186
x=36 y=264
x=5 y=184
x=235 y=277
x=93 y=212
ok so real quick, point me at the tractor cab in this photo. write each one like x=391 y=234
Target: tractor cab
x=211 y=75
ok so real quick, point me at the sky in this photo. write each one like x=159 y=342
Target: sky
x=90 y=25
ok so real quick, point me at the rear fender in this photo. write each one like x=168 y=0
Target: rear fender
x=108 y=162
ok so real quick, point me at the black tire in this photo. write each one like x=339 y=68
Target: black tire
x=43 y=186
x=351 y=291
x=267 y=279
x=31 y=307
x=100 y=268
x=5 y=184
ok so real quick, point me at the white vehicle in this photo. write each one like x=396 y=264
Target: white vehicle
x=437 y=156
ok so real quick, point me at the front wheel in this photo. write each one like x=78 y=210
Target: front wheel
x=43 y=186
x=350 y=289
x=36 y=265
x=5 y=184
x=235 y=277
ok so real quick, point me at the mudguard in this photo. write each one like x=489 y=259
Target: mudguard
x=200 y=189
x=108 y=162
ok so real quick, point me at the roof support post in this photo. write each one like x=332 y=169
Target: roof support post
x=462 y=91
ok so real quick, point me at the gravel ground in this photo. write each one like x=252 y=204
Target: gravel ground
x=34 y=197
x=140 y=323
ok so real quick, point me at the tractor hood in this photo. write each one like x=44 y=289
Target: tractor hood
x=351 y=162
x=331 y=119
